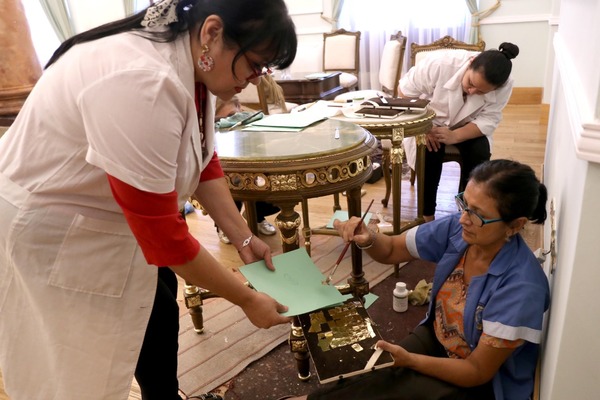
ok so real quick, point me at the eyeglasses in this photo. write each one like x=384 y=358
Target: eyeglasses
x=257 y=70
x=476 y=219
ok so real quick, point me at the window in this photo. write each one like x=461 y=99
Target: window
x=44 y=39
x=421 y=21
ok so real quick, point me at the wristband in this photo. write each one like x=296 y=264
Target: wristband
x=372 y=235
x=246 y=242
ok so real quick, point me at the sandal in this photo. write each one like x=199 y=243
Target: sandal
x=206 y=396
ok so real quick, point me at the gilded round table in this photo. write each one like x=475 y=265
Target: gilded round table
x=285 y=168
x=411 y=124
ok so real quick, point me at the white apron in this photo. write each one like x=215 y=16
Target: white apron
x=75 y=290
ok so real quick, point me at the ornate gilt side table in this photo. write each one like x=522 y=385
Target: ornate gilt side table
x=413 y=124
x=285 y=168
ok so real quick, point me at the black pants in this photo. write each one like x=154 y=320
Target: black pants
x=404 y=383
x=473 y=152
x=263 y=209
x=156 y=370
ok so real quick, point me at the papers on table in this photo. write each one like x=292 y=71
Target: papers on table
x=343 y=216
x=317 y=75
x=296 y=282
x=292 y=122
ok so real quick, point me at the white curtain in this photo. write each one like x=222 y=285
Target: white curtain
x=336 y=8
x=133 y=6
x=421 y=21
x=477 y=16
x=129 y=6
x=57 y=12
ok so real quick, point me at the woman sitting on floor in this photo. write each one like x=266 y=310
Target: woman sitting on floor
x=480 y=339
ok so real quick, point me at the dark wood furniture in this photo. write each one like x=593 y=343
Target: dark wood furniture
x=300 y=89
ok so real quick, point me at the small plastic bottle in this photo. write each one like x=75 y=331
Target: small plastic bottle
x=400 y=302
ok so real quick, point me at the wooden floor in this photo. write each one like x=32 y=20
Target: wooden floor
x=521 y=136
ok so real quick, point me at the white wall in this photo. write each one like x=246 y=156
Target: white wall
x=526 y=24
x=572 y=174
x=88 y=14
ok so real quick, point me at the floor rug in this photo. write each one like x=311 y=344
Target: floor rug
x=230 y=342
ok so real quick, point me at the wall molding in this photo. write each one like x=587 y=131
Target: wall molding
x=585 y=128
x=526 y=95
x=516 y=19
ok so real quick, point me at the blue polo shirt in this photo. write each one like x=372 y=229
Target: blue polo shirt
x=507 y=302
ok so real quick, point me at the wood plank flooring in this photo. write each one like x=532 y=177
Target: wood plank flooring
x=521 y=136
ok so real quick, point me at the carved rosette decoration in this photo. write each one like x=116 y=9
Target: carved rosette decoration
x=398 y=134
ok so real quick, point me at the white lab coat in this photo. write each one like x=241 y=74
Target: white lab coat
x=438 y=78
x=75 y=290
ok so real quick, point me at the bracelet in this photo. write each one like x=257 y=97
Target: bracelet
x=246 y=242
x=373 y=236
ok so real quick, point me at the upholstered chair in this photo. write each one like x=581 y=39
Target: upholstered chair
x=390 y=69
x=341 y=53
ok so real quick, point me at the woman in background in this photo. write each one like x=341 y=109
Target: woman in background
x=468 y=92
x=116 y=135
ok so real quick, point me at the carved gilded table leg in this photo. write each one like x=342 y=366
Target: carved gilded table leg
x=306 y=229
x=288 y=222
x=299 y=349
x=193 y=302
x=358 y=284
x=386 y=145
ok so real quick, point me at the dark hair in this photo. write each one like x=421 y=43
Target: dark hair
x=263 y=26
x=516 y=189
x=495 y=64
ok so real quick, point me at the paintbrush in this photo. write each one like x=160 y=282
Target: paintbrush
x=244 y=121
x=339 y=260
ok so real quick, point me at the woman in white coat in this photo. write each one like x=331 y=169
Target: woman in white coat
x=114 y=138
x=468 y=92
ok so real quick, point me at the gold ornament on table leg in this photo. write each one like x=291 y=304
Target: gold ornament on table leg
x=205 y=61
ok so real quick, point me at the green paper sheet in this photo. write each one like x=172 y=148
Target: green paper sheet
x=369 y=298
x=296 y=282
x=343 y=216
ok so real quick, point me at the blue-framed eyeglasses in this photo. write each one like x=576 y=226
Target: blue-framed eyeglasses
x=476 y=219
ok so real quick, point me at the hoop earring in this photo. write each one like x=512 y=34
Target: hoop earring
x=205 y=61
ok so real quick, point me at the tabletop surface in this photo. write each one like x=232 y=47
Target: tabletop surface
x=315 y=140
x=303 y=76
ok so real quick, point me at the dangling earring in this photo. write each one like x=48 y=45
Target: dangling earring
x=206 y=62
